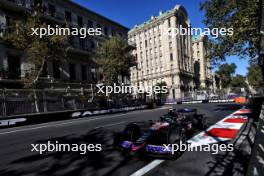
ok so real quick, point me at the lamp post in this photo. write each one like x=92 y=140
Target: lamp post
x=261 y=46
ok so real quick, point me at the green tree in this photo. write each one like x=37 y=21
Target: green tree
x=36 y=50
x=243 y=16
x=254 y=75
x=161 y=93
x=114 y=58
x=226 y=72
x=238 y=82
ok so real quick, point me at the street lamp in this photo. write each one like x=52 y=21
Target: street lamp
x=261 y=49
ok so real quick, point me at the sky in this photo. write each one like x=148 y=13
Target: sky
x=132 y=12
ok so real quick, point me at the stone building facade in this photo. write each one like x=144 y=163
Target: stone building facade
x=163 y=57
x=202 y=65
x=80 y=70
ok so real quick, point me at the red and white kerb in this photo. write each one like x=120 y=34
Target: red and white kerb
x=224 y=130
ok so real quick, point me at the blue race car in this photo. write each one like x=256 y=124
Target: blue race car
x=150 y=138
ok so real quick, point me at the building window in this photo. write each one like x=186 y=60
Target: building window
x=169 y=23
x=99 y=26
x=113 y=33
x=72 y=72
x=90 y=24
x=84 y=72
x=37 y=2
x=68 y=16
x=170 y=45
x=56 y=69
x=52 y=10
x=93 y=73
x=14 y=67
x=80 y=21
x=82 y=43
x=70 y=40
x=146 y=43
x=106 y=31
x=92 y=44
x=171 y=57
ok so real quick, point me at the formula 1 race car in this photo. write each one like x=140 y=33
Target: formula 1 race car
x=151 y=138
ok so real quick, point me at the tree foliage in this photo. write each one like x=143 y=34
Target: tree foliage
x=36 y=50
x=238 y=82
x=226 y=72
x=161 y=85
x=161 y=94
x=114 y=58
x=243 y=17
x=254 y=75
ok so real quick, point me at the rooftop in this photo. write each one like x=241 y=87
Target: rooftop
x=97 y=14
x=161 y=14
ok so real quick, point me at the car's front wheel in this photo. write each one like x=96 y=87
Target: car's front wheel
x=177 y=136
x=132 y=132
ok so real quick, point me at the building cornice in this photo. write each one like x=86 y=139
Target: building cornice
x=159 y=19
x=97 y=14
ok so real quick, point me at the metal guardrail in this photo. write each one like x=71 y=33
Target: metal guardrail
x=29 y=101
x=256 y=164
x=21 y=101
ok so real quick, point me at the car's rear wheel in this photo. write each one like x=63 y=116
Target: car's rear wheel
x=176 y=135
x=201 y=122
x=132 y=132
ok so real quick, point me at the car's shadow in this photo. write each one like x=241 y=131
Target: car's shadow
x=227 y=107
x=71 y=163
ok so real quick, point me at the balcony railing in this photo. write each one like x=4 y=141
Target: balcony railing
x=23 y=3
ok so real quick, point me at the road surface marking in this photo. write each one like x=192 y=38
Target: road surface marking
x=224 y=130
x=147 y=168
x=76 y=121
x=56 y=125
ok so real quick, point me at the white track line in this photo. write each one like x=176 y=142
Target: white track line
x=147 y=168
x=57 y=125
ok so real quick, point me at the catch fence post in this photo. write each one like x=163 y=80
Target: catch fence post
x=44 y=97
x=4 y=103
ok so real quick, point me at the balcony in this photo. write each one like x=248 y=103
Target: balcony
x=186 y=73
x=15 y=5
x=23 y=6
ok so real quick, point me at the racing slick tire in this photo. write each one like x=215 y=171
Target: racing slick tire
x=132 y=132
x=201 y=122
x=176 y=135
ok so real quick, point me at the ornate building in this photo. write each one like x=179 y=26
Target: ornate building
x=163 y=57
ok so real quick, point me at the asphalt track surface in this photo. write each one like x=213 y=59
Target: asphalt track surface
x=16 y=158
